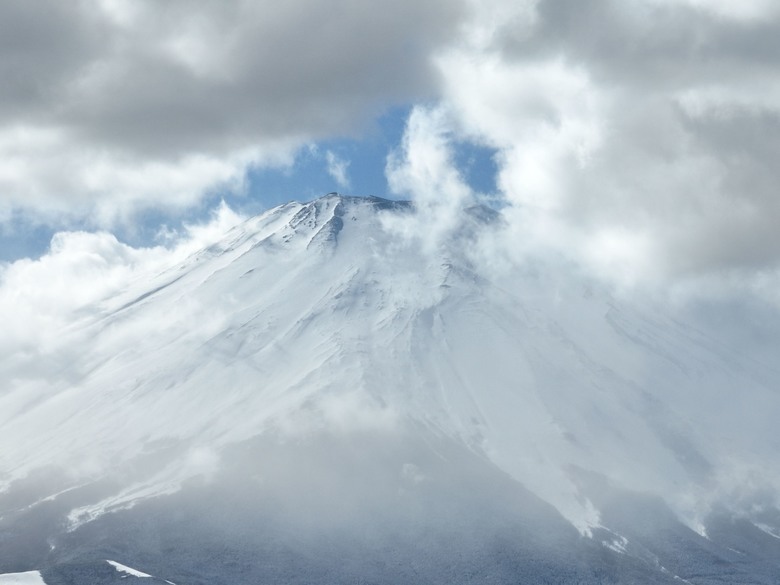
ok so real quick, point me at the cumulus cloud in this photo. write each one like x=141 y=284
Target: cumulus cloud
x=41 y=299
x=109 y=106
x=637 y=138
x=423 y=169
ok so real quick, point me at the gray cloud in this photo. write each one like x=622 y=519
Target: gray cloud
x=243 y=71
x=124 y=86
x=42 y=45
x=640 y=137
x=649 y=43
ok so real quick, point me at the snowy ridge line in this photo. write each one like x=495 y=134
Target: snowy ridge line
x=26 y=578
x=280 y=328
x=128 y=570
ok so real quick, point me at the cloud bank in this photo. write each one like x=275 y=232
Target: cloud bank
x=110 y=106
x=637 y=137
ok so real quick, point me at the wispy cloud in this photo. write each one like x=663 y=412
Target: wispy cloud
x=337 y=168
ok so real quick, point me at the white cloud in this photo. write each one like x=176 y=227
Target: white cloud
x=111 y=107
x=337 y=168
x=41 y=299
x=423 y=169
x=627 y=143
x=43 y=175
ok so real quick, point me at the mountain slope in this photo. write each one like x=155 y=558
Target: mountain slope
x=323 y=370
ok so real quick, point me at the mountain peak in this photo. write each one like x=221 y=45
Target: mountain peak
x=318 y=344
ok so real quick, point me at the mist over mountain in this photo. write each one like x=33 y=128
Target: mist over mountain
x=346 y=391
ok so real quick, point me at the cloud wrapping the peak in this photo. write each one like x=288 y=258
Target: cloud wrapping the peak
x=636 y=138
x=423 y=169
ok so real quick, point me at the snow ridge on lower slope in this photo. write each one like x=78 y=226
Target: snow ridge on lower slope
x=327 y=315
x=26 y=578
x=97 y=574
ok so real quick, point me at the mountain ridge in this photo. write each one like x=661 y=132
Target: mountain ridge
x=320 y=321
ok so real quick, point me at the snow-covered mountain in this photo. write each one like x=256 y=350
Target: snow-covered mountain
x=327 y=394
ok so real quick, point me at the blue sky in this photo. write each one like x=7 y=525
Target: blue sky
x=367 y=156
x=308 y=177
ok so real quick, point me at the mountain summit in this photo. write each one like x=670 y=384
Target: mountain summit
x=328 y=394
